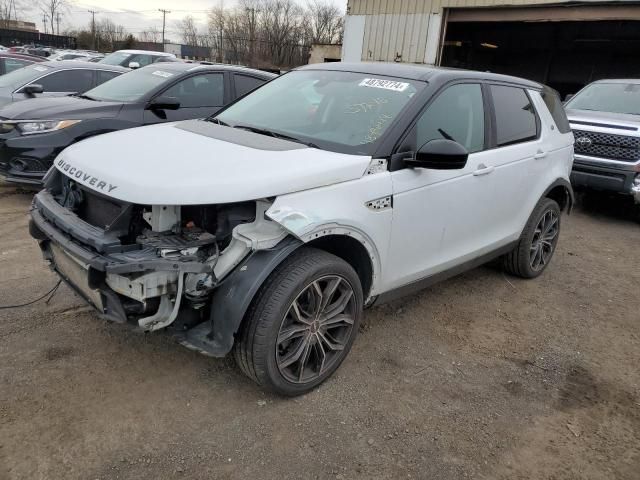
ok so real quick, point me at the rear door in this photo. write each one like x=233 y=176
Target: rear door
x=200 y=96
x=518 y=154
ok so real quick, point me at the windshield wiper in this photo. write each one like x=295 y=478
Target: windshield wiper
x=217 y=121
x=281 y=136
x=85 y=97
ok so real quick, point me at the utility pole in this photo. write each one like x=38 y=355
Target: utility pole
x=93 y=26
x=58 y=17
x=164 y=22
x=44 y=22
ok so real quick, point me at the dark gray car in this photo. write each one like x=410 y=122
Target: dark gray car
x=55 y=79
x=32 y=133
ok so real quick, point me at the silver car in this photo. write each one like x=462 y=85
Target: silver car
x=605 y=119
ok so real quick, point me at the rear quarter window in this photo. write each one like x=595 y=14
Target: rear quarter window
x=556 y=109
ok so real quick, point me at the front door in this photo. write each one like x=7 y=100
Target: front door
x=199 y=95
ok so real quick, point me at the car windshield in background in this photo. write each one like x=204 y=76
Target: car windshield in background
x=131 y=86
x=608 y=97
x=115 y=58
x=25 y=75
x=340 y=111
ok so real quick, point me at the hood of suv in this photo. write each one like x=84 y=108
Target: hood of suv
x=198 y=162
x=60 y=108
x=625 y=121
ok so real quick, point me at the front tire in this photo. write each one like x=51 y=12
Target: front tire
x=538 y=241
x=302 y=323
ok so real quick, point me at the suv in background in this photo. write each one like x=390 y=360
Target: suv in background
x=605 y=118
x=54 y=79
x=267 y=228
x=137 y=58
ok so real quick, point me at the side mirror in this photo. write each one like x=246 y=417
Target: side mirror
x=134 y=65
x=33 y=89
x=568 y=97
x=440 y=155
x=164 y=103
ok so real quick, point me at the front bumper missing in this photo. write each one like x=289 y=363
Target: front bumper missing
x=136 y=288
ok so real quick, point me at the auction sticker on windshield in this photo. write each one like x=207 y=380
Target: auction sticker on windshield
x=160 y=73
x=386 y=84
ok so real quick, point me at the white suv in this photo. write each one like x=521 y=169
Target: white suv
x=267 y=229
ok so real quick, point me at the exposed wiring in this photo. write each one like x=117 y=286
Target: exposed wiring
x=49 y=294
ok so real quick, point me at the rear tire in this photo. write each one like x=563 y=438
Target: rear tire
x=538 y=241
x=302 y=323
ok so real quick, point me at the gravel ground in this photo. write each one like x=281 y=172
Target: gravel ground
x=483 y=376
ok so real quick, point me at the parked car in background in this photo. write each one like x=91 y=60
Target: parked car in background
x=54 y=79
x=268 y=228
x=137 y=58
x=14 y=61
x=33 y=133
x=605 y=118
x=77 y=55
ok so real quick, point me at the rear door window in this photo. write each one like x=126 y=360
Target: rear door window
x=515 y=116
x=245 y=83
x=105 y=76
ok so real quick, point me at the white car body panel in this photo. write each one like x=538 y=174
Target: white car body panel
x=342 y=210
x=230 y=173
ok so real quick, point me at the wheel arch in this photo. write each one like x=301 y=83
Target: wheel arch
x=562 y=192
x=232 y=299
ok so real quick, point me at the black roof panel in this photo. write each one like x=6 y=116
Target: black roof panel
x=411 y=71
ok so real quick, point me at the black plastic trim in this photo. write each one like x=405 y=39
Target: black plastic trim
x=421 y=284
x=232 y=299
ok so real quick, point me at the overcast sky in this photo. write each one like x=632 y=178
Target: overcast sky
x=137 y=15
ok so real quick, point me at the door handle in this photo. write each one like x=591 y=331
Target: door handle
x=540 y=155
x=483 y=170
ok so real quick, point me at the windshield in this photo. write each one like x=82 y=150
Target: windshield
x=116 y=58
x=131 y=86
x=23 y=76
x=608 y=97
x=340 y=111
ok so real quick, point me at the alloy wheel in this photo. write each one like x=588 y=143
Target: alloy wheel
x=544 y=240
x=316 y=329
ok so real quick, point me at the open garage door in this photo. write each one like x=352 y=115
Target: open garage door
x=564 y=47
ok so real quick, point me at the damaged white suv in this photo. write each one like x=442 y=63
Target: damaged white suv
x=266 y=230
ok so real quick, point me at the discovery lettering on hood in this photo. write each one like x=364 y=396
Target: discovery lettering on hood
x=86 y=178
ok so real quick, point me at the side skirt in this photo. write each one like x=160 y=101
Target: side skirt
x=418 y=285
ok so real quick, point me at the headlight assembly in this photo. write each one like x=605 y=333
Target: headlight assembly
x=44 y=126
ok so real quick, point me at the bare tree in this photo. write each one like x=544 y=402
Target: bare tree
x=152 y=35
x=189 y=31
x=110 y=34
x=54 y=10
x=326 y=22
x=8 y=11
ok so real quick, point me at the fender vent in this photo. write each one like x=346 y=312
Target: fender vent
x=379 y=204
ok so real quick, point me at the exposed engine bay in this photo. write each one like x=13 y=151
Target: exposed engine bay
x=158 y=260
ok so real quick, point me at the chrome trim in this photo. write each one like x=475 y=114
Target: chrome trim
x=586 y=158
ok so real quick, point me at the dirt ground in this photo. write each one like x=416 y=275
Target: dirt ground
x=483 y=376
